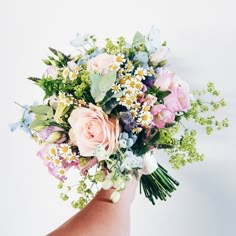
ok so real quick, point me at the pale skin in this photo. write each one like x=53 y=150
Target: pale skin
x=101 y=217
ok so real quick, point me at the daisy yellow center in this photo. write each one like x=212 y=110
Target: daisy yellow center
x=61 y=172
x=119 y=59
x=132 y=84
x=122 y=81
x=128 y=102
x=53 y=151
x=73 y=75
x=146 y=108
x=64 y=149
x=140 y=73
x=138 y=86
x=116 y=88
x=145 y=117
x=152 y=72
x=57 y=161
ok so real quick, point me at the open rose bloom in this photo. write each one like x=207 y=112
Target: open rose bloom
x=108 y=110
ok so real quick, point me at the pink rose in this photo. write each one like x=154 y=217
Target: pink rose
x=90 y=127
x=101 y=63
x=162 y=115
x=178 y=100
x=164 y=79
x=160 y=55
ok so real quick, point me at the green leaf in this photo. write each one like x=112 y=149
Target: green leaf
x=37 y=125
x=95 y=92
x=41 y=117
x=35 y=79
x=107 y=81
x=110 y=105
x=138 y=39
x=163 y=94
x=101 y=84
x=41 y=109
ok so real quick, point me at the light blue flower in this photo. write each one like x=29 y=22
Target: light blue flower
x=131 y=161
x=100 y=153
x=80 y=40
x=142 y=57
x=153 y=40
x=127 y=140
x=24 y=123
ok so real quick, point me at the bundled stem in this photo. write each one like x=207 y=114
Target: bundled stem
x=159 y=184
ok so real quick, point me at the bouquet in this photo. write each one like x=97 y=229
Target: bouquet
x=106 y=112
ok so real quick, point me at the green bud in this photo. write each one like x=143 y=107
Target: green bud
x=53 y=137
x=60 y=185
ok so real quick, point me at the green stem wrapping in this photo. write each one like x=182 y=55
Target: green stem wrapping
x=158 y=185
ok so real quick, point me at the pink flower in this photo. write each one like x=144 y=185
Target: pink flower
x=162 y=115
x=90 y=127
x=178 y=82
x=49 y=161
x=51 y=72
x=160 y=55
x=101 y=63
x=178 y=100
x=150 y=99
x=164 y=78
x=48 y=132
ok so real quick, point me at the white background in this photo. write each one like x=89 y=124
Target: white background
x=202 y=36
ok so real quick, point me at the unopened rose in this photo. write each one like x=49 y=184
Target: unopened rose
x=161 y=54
x=162 y=115
x=101 y=63
x=91 y=127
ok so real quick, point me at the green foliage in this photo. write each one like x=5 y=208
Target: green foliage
x=101 y=84
x=138 y=39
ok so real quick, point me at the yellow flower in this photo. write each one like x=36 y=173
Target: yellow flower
x=120 y=58
x=65 y=150
x=115 y=88
x=73 y=75
x=140 y=73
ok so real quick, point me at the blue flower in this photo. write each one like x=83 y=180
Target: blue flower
x=25 y=121
x=142 y=57
x=153 y=41
x=80 y=40
x=127 y=140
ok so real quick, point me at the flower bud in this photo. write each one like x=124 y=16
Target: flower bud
x=115 y=197
x=149 y=163
x=54 y=137
x=106 y=184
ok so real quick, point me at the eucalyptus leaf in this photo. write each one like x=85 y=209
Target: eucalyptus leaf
x=107 y=81
x=138 y=39
x=37 y=125
x=100 y=85
x=41 y=117
x=40 y=109
x=95 y=91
